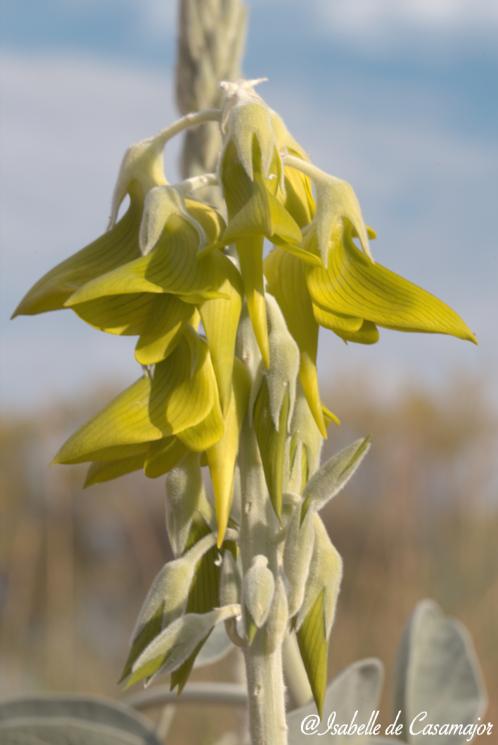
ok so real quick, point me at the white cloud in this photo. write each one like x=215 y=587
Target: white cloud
x=385 y=17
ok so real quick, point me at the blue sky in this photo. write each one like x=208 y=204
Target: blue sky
x=398 y=98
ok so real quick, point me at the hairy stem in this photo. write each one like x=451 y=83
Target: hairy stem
x=263 y=658
x=187 y=122
x=266 y=693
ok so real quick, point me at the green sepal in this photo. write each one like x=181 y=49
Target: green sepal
x=250 y=253
x=272 y=443
x=313 y=646
x=333 y=476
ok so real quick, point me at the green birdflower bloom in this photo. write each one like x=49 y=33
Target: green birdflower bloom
x=161 y=273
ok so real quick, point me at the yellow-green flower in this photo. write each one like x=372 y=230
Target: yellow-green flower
x=162 y=417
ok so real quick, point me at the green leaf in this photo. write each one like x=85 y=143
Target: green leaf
x=334 y=475
x=177 y=642
x=112 y=249
x=438 y=672
x=313 y=646
x=353 y=285
x=51 y=720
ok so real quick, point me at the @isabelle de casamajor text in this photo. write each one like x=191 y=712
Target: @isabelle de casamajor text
x=313 y=725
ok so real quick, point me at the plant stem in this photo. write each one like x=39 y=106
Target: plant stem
x=194 y=119
x=266 y=694
x=263 y=658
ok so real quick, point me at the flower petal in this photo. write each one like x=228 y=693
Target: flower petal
x=353 y=285
x=101 y=471
x=172 y=267
x=118 y=246
x=220 y=318
x=286 y=281
x=221 y=457
x=168 y=316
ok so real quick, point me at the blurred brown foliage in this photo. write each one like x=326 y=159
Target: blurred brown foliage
x=420 y=519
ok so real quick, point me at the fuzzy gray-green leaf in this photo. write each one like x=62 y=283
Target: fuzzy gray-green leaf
x=176 y=643
x=334 y=474
x=184 y=490
x=438 y=672
x=71 y=719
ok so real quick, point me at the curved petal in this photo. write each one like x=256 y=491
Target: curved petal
x=172 y=267
x=353 y=285
x=183 y=388
x=125 y=421
x=162 y=456
x=112 y=249
x=125 y=315
x=101 y=471
x=165 y=322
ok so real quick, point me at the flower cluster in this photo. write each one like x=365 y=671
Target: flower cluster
x=167 y=273
x=226 y=304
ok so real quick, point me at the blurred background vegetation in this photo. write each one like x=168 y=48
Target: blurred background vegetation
x=419 y=519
